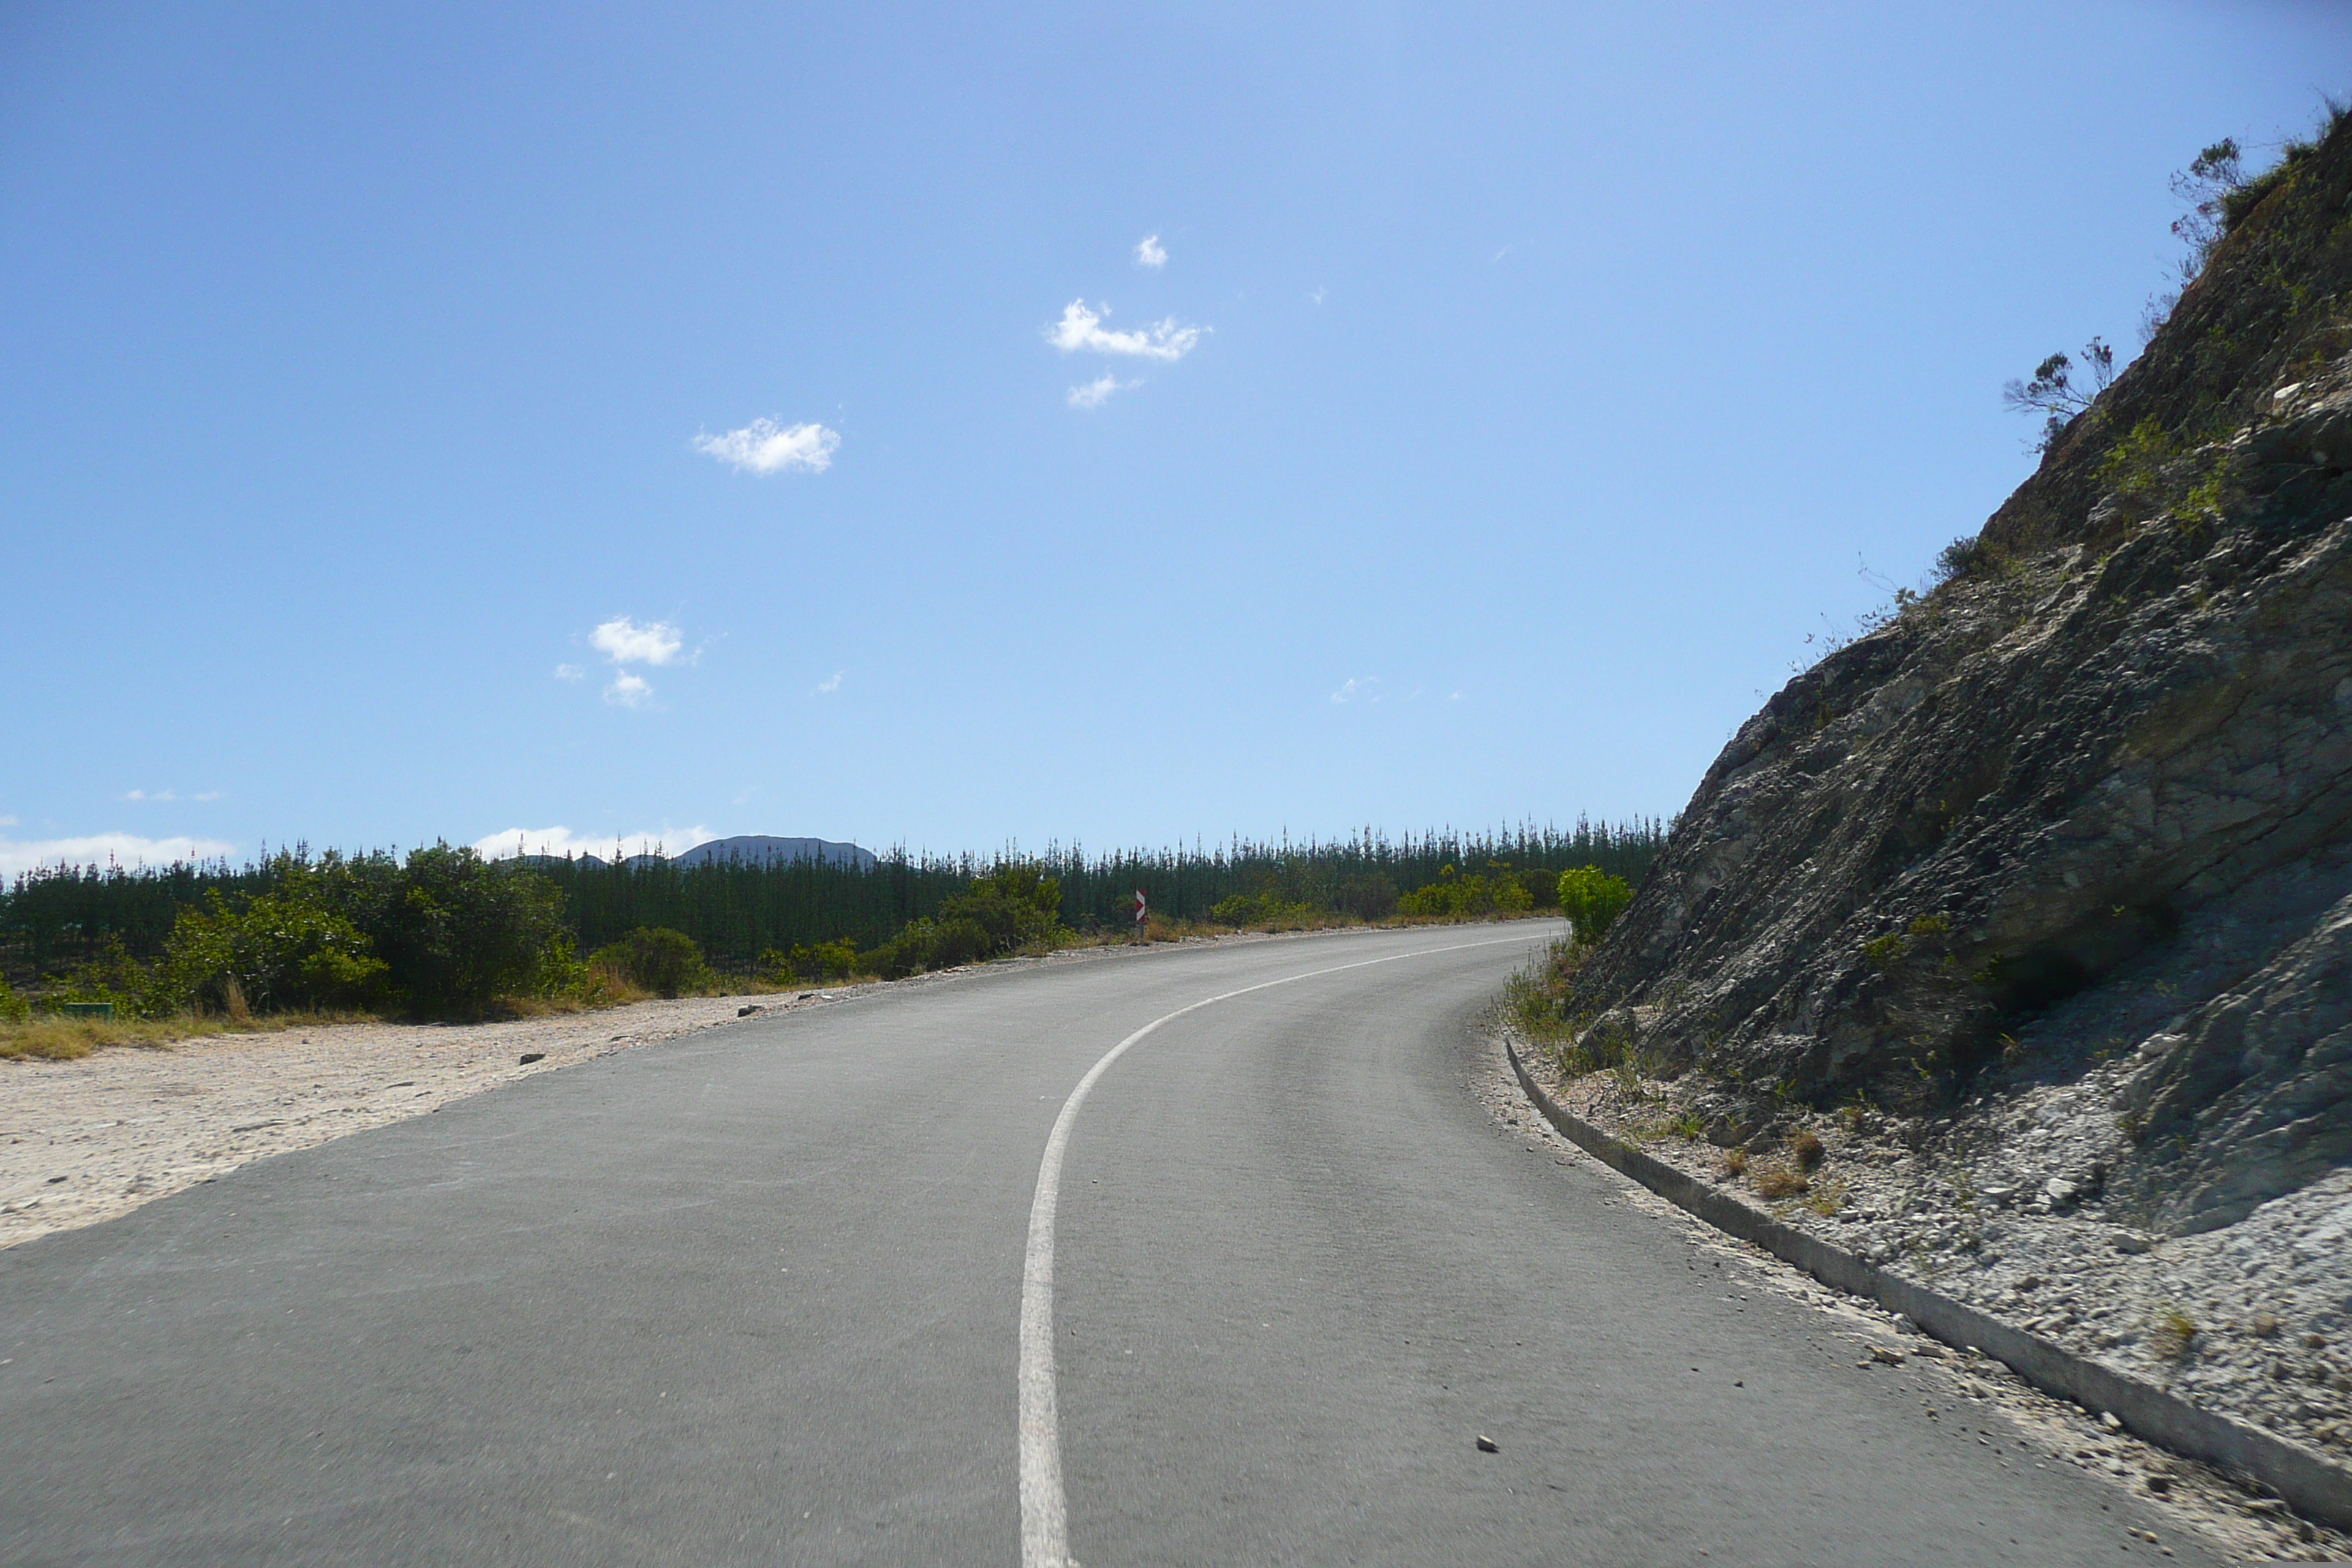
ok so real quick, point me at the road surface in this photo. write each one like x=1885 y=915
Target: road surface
x=766 y=1295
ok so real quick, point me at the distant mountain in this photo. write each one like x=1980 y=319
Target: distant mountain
x=759 y=848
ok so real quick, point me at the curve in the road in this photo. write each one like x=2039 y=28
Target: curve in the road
x=1045 y=1507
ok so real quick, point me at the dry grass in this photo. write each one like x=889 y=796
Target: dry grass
x=1780 y=1182
x=2174 y=1337
x=1827 y=1198
x=68 y=1039
x=1808 y=1149
x=1734 y=1162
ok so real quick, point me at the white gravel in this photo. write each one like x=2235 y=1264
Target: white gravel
x=86 y=1141
x=1960 y=1387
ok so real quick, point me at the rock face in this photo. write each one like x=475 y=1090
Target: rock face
x=2090 y=796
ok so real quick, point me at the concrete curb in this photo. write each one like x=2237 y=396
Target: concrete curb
x=2307 y=1482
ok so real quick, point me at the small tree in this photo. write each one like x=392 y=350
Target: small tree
x=2054 y=392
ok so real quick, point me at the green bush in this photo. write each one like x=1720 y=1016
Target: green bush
x=1370 y=896
x=1478 y=894
x=1014 y=907
x=653 y=958
x=834 y=960
x=464 y=931
x=283 y=948
x=1591 y=898
x=1262 y=908
x=13 y=1009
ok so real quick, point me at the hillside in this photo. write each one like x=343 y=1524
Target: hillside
x=2046 y=882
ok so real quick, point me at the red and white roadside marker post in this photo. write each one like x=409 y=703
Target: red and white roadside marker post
x=1140 y=911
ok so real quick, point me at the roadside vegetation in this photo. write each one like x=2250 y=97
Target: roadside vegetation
x=297 y=938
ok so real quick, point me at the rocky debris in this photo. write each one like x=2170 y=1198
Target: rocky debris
x=2252 y=1319
x=1963 y=1386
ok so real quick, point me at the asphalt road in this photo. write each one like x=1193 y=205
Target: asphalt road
x=755 y=1297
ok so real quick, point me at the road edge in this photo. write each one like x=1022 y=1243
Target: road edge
x=2304 y=1480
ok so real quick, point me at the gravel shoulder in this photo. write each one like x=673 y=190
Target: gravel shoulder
x=1974 y=1209
x=88 y=1141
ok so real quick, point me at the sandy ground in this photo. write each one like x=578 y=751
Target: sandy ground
x=86 y=1141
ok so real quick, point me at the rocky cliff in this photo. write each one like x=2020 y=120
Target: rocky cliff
x=2083 y=810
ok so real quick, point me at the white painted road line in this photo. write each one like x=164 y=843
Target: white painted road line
x=1044 y=1511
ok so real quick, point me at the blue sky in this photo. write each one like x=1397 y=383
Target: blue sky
x=963 y=426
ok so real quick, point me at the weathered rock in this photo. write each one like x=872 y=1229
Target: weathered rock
x=2089 y=802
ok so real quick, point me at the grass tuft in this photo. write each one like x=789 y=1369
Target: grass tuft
x=2175 y=1335
x=56 y=1040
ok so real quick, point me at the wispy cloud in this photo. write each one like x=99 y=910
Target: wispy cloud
x=622 y=641
x=1151 y=252
x=629 y=691
x=830 y=683
x=123 y=848
x=1362 y=689
x=7 y=822
x=604 y=845
x=208 y=794
x=1094 y=394
x=1082 y=328
x=765 y=447
x=569 y=672
x=150 y=794
x=1318 y=295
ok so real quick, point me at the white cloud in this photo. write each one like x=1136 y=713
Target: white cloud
x=123 y=848
x=629 y=690
x=1080 y=328
x=1094 y=394
x=830 y=683
x=604 y=845
x=623 y=641
x=1318 y=295
x=144 y=794
x=763 y=447
x=7 y=822
x=569 y=672
x=1151 y=253
x=1358 y=690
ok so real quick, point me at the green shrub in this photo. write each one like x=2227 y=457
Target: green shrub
x=1370 y=896
x=1014 y=907
x=834 y=960
x=1478 y=894
x=1593 y=900
x=2133 y=466
x=464 y=931
x=288 y=948
x=1885 y=952
x=653 y=958
x=1264 y=908
x=13 y=1009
